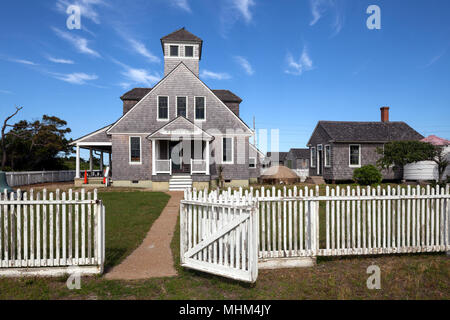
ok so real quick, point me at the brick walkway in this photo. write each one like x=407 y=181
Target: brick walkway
x=153 y=258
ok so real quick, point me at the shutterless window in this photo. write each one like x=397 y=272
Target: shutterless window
x=174 y=51
x=252 y=163
x=227 y=148
x=181 y=106
x=188 y=51
x=313 y=157
x=327 y=156
x=355 y=151
x=135 y=149
x=199 y=108
x=163 y=108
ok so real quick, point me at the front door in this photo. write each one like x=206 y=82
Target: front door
x=320 y=165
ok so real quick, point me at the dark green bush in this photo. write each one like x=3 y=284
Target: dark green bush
x=367 y=175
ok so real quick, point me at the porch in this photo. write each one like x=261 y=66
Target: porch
x=186 y=157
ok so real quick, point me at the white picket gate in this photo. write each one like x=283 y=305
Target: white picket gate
x=51 y=234
x=220 y=237
x=296 y=223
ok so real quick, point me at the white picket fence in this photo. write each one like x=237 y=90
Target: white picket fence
x=16 y=179
x=50 y=234
x=295 y=223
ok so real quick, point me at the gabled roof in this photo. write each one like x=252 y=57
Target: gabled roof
x=436 y=141
x=299 y=153
x=281 y=156
x=137 y=94
x=180 y=128
x=353 y=131
x=182 y=35
x=257 y=150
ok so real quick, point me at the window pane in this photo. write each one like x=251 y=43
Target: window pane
x=227 y=149
x=200 y=108
x=135 y=149
x=174 y=51
x=313 y=157
x=181 y=106
x=354 y=155
x=163 y=108
x=189 y=51
x=252 y=163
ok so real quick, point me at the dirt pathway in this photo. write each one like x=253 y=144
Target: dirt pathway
x=153 y=258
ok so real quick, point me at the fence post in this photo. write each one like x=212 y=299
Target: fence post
x=183 y=240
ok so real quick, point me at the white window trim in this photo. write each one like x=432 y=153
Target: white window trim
x=193 y=51
x=168 y=110
x=187 y=106
x=140 y=151
x=319 y=148
x=195 y=108
x=349 y=156
x=326 y=158
x=312 y=163
x=174 y=45
x=232 y=150
x=249 y=162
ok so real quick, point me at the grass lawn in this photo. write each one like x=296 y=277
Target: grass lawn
x=422 y=276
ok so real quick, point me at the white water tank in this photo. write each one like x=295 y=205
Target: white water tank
x=423 y=170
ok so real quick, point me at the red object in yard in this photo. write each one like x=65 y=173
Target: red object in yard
x=85 y=177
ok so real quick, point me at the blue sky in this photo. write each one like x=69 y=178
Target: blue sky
x=294 y=62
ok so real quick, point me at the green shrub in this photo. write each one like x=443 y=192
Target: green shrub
x=367 y=175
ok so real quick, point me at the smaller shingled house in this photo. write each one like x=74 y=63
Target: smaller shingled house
x=297 y=159
x=338 y=147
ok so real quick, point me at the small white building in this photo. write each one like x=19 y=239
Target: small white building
x=428 y=170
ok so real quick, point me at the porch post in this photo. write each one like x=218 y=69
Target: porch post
x=110 y=156
x=154 y=157
x=91 y=160
x=77 y=165
x=207 y=158
x=101 y=161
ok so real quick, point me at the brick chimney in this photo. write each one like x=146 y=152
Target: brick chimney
x=384 y=114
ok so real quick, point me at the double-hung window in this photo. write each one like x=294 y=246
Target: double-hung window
x=227 y=150
x=313 y=157
x=135 y=150
x=200 y=111
x=163 y=108
x=355 y=155
x=252 y=163
x=182 y=106
x=327 y=156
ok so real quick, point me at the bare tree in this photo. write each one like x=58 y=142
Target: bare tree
x=5 y=125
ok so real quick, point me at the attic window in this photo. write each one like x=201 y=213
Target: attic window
x=200 y=108
x=188 y=51
x=174 y=51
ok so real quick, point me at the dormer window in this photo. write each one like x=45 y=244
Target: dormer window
x=189 y=51
x=174 y=51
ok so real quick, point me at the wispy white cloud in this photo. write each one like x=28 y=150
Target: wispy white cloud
x=141 y=49
x=81 y=44
x=22 y=61
x=59 y=60
x=75 y=78
x=181 y=4
x=206 y=74
x=243 y=7
x=243 y=62
x=5 y=92
x=435 y=59
x=297 y=67
x=320 y=7
x=87 y=7
x=136 y=76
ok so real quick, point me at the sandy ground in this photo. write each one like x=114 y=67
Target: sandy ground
x=153 y=258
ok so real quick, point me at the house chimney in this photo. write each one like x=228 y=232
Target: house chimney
x=384 y=114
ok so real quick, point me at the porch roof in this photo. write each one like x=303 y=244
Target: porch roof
x=179 y=129
x=98 y=140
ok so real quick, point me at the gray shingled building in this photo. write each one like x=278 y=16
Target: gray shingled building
x=178 y=133
x=338 y=147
